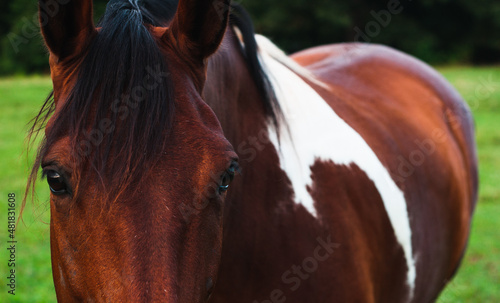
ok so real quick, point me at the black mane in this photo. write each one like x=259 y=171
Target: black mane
x=242 y=20
x=157 y=12
x=119 y=60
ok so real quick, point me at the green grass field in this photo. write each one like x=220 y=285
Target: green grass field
x=20 y=98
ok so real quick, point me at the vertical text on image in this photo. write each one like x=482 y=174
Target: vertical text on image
x=11 y=243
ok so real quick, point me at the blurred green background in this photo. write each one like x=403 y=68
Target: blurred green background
x=461 y=38
x=436 y=31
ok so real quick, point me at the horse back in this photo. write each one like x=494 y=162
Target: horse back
x=422 y=131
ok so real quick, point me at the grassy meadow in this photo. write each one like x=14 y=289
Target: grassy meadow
x=20 y=99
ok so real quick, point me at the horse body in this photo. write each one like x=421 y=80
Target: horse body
x=357 y=184
x=417 y=127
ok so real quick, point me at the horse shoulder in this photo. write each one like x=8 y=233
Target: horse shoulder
x=376 y=88
x=421 y=130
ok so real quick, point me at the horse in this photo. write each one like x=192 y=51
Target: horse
x=191 y=160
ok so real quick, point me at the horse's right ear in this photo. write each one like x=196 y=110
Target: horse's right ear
x=67 y=26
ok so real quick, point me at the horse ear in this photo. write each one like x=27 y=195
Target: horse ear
x=67 y=26
x=199 y=26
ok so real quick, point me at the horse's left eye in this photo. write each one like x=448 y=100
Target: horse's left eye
x=56 y=182
x=227 y=178
x=224 y=184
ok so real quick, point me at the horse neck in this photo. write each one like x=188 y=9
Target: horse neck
x=231 y=93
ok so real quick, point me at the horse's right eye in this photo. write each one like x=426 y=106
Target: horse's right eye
x=56 y=182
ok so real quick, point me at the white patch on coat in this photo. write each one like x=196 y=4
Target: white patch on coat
x=316 y=132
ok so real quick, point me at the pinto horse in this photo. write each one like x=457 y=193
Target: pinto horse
x=354 y=166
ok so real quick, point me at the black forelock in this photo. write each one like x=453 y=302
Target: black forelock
x=118 y=115
x=110 y=90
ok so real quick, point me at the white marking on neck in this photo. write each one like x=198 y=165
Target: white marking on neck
x=277 y=54
x=317 y=132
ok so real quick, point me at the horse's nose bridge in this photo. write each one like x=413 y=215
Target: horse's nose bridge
x=155 y=266
x=147 y=270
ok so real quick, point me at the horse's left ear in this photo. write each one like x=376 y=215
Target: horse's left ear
x=199 y=26
x=67 y=26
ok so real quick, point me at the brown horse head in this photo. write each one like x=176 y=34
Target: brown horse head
x=130 y=143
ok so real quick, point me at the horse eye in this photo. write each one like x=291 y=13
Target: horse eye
x=224 y=184
x=56 y=182
x=227 y=178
